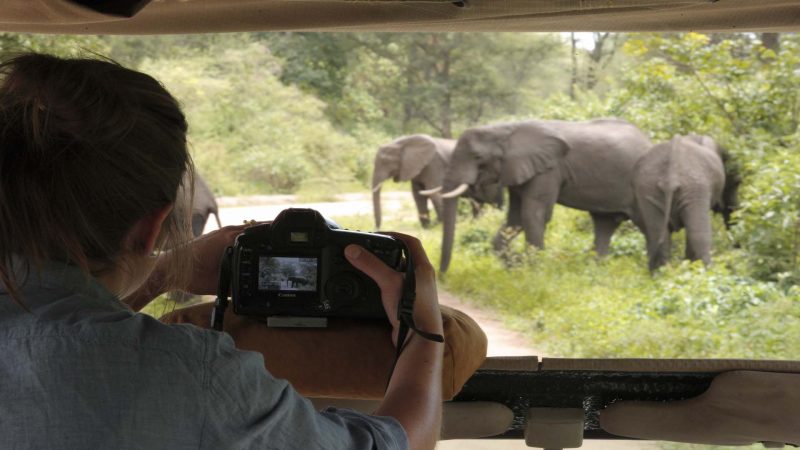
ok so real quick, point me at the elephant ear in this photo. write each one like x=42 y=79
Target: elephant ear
x=417 y=152
x=531 y=149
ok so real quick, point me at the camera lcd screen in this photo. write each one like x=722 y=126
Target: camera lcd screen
x=287 y=273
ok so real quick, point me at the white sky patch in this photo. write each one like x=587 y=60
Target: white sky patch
x=584 y=40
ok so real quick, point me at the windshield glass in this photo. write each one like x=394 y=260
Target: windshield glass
x=692 y=173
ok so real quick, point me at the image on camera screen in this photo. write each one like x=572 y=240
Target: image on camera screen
x=287 y=273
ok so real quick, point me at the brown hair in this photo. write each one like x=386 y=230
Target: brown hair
x=87 y=148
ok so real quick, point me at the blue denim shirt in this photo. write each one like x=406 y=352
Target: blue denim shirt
x=82 y=371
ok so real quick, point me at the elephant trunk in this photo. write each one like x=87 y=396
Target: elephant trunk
x=376 y=206
x=449 y=210
x=378 y=177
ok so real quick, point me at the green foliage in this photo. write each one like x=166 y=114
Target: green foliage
x=67 y=46
x=407 y=83
x=249 y=132
x=769 y=220
x=576 y=305
x=684 y=83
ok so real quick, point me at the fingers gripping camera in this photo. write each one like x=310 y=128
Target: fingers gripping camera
x=295 y=266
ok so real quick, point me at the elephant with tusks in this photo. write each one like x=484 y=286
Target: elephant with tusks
x=676 y=185
x=584 y=165
x=423 y=160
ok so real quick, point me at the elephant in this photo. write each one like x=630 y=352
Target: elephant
x=676 y=184
x=418 y=158
x=584 y=165
x=203 y=205
x=297 y=281
x=423 y=160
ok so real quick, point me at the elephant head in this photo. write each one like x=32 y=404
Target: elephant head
x=418 y=158
x=488 y=158
x=203 y=203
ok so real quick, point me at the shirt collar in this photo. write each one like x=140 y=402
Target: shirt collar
x=58 y=281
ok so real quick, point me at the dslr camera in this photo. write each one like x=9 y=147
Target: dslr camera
x=296 y=267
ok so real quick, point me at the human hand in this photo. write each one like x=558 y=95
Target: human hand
x=427 y=315
x=739 y=408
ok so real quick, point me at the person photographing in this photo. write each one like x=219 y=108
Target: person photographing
x=91 y=160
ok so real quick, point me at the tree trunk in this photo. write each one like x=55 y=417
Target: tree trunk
x=771 y=41
x=574 y=80
x=596 y=56
x=446 y=111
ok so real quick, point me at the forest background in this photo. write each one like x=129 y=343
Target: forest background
x=304 y=113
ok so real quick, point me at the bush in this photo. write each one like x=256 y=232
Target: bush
x=250 y=133
x=769 y=220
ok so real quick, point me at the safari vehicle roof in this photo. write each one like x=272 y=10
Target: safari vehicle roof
x=206 y=16
x=209 y=16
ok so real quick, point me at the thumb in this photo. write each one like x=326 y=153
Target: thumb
x=388 y=280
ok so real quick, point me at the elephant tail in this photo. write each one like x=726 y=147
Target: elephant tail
x=664 y=234
x=668 y=187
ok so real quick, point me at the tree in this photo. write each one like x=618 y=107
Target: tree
x=52 y=44
x=417 y=82
x=603 y=50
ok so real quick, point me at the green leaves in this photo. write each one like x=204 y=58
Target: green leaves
x=251 y=134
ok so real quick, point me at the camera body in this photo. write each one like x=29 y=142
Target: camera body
x=296 y=266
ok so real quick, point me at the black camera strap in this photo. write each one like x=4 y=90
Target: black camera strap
x=224 y=287
x=405 y=311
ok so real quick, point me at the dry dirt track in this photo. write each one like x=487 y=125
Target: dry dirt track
x=501 y=341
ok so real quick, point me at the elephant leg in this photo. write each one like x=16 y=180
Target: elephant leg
x=696 y=218
x=422 y=204
x=537 y=199
x=604 y=227
x=436 y=199
x=512 y=227
x=476 y=207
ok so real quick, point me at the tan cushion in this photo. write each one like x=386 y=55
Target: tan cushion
x=739 y=408
x=349 y=358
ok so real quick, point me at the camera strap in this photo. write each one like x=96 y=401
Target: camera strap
x=405 y=311
x=224 y=287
